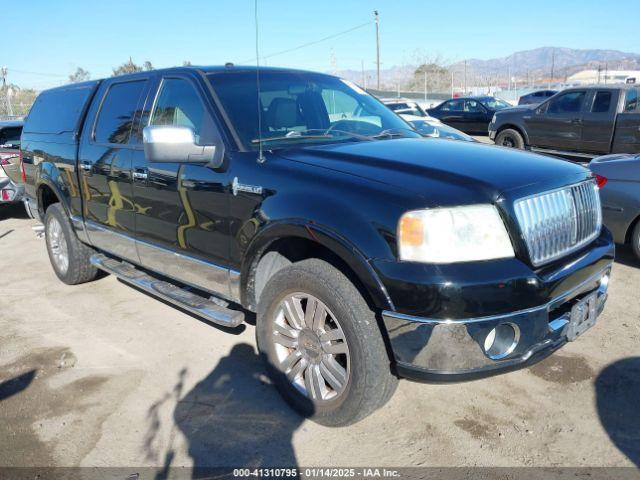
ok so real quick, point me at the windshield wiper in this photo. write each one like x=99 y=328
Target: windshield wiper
x=290 y=137
x=314 y=136
x=390 y=133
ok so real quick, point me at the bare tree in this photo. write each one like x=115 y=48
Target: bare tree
x=80 y=75
x=433 y=70
x=186 y=63
x=130 y=67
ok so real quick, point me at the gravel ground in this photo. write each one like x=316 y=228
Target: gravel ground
x=102 y=374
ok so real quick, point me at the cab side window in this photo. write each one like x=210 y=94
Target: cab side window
x=570 y=102
x=179 y=104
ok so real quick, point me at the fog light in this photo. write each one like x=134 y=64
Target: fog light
x=501 y=341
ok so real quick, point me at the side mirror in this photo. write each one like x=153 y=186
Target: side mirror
x=173 y=143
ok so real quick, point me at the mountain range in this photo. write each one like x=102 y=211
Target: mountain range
x=534 y=64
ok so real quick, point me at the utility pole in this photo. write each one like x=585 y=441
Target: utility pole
x=553 y=65
x=377 y=17
x=5 y=91
x=425 y=83
x=465 y=77
x=451 y=83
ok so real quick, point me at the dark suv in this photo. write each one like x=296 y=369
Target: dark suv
x=366 y=251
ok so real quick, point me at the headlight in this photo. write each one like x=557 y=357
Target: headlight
x=493 y=120
x=449 y=235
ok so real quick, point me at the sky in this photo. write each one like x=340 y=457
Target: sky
x=45 y=41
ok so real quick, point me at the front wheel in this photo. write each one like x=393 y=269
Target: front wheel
x=510 y=138
x=635 y=240
x=322 y=345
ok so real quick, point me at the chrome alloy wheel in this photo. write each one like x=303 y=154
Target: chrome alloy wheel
x=57 y=245
x=310 y=347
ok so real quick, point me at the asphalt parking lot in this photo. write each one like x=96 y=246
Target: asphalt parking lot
x=102 y=374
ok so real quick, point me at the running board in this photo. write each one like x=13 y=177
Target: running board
x=564 y=153
x=196 y=304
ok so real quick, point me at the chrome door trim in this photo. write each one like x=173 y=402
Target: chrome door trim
x=78 y=226
x=116 y=243
x=190 y=270
x=210 y=277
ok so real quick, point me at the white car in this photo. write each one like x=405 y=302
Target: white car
x=433 y=128
x=403 y=106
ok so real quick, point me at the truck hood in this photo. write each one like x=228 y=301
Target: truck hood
x=616 y=157
x=520 y=108
x=620 y=166
x=428 y=167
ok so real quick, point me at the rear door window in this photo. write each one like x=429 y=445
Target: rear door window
x=117 y=112
x=453 y=106
x=570 y=102
x=601 y=102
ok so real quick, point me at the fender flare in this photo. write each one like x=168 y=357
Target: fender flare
x=327 y=238
x=517 y=128
x=47 y=181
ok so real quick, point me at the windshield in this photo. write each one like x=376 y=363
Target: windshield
x=302 y=108
x=495 y=103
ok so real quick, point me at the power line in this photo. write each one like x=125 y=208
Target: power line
x=13 y=70
x=309 y=44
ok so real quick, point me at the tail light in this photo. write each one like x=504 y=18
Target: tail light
x=601 y=181
x=24 y=174
x=4 y=158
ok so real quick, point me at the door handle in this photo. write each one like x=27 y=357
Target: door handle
x=85 y=166
x=140 y=175
x=576 y=121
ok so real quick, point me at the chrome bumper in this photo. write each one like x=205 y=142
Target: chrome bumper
x=492 y=134
x=434 y=349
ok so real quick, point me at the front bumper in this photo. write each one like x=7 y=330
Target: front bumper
x=454 y=350
x=492 y=133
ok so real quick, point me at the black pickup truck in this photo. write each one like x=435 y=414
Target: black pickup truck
x=578 y=122
x=366 y=251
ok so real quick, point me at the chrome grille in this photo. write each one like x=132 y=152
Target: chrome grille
x=558 y=222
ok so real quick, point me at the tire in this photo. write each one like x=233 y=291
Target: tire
x=510 y=138
x=635 y=240
x=367 y=383
x=63 y=242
